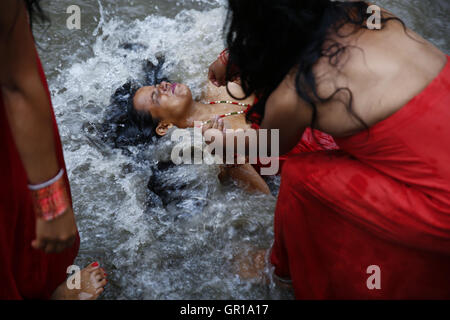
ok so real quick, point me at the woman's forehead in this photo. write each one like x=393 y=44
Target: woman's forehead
x=142 y=97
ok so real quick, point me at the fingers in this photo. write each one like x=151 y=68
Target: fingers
x=54 y=247
x=220 y=125
x=49 y=246
x=45 y=245
x=60 y=246
x=207 y=126
x=214 y=131
x=214 y=123
x=221 y=82
x=39 y=244
x=69 y=242
x=217 y=73
x=212 y=77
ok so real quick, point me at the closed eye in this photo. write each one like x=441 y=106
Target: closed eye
x=155 y=97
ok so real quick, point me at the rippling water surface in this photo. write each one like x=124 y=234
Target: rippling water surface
x=176 y=239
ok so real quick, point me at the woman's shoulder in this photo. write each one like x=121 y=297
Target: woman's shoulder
x=380 y=71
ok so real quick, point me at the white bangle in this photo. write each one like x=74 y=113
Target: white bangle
x=43 y=185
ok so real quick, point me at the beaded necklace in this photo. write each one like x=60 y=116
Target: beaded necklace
x=230 y=113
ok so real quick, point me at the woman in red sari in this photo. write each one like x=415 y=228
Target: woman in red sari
x=372 y=219
x=38 y=233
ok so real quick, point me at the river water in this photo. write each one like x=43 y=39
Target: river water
x=178 y=238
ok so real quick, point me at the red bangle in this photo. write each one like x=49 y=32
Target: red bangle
x=223 y=57
x=50 y=200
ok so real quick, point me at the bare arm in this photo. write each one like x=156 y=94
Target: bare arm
x=26 y=102
x=285 y=112
x=288 y=113
x=29 y=116
x=246 y=177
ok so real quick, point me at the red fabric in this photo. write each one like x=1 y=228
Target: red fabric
x=25 y=273
x=383 y=199
x=320 y=141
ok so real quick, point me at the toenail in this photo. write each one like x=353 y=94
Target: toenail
x=95 y=264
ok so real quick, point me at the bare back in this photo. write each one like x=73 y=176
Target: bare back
x=384 y=69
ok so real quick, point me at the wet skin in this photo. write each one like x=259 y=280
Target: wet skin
x=173 y=105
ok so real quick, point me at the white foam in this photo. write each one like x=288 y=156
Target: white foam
x=180 y=251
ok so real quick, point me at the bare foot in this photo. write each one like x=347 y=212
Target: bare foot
x=88 y=284
x=250 y=266
x=254 y=265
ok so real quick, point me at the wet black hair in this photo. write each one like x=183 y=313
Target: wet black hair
x=267 y=39
x=125 y=126
x=35 y=12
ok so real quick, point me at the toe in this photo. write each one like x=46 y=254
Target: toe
x=98 y=292
x=101 y=284
x=93 y=266
x=98 y=274
x=103 y=271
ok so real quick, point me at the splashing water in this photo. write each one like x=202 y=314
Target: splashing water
x=177 y=240
x=160 y=231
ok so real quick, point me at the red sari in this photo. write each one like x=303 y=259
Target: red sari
x=383 y=199
x=25 y=273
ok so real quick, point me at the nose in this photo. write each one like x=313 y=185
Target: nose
x=165 y=86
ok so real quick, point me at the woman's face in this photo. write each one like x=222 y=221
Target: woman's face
x=165 y=102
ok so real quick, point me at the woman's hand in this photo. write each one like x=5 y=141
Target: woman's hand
x=217 y=73
x=214 y=131
x=55 y=235
x=216 y=123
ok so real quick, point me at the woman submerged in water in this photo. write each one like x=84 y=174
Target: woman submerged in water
x=171 y=104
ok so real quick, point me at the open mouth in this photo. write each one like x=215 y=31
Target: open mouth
x=173 y=87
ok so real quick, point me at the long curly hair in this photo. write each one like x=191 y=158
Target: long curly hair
x=267 y=39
